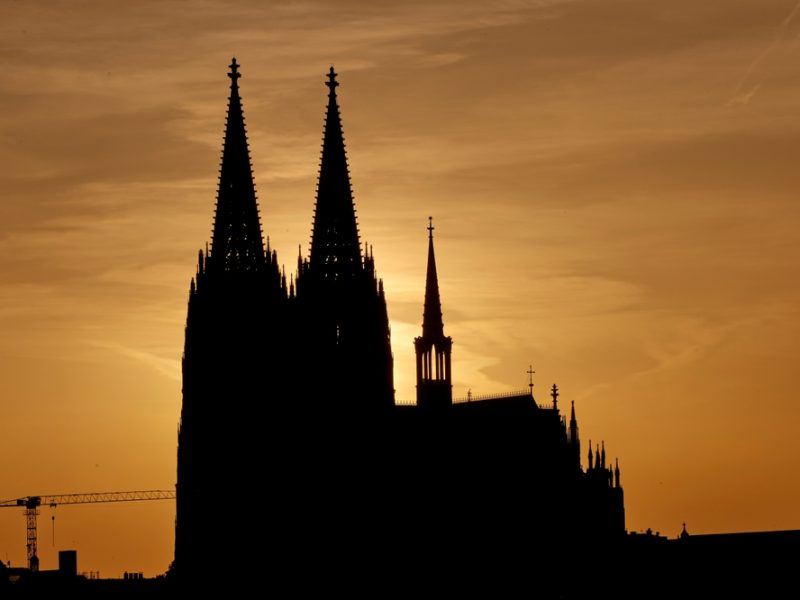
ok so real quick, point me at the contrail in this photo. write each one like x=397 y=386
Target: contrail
x=167 y=367
x=739 y=97
x=788 y=19
x=744 y=99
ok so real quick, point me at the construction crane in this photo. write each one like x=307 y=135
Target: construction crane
x=31 y=505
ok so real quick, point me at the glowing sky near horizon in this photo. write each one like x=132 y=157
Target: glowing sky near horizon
x=614 y=186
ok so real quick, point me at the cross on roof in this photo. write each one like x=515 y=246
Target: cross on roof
x=430 y=227
x=530 y=373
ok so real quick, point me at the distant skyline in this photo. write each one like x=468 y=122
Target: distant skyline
x=614 y=189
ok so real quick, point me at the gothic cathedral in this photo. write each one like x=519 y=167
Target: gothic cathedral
x=293 y=457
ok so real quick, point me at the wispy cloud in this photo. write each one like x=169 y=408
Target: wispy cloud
x=689 y=341
x=170 y=368
x=742 y=98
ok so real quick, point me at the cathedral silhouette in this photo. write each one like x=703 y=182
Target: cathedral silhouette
x=289 y=410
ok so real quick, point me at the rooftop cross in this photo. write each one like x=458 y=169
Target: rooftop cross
x=430 y=227
x=530 y=373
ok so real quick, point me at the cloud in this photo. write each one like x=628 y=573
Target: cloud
x=170 y=368
x=744 y=98
x=740 y=98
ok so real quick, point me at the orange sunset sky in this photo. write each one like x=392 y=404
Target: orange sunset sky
x=614 y=185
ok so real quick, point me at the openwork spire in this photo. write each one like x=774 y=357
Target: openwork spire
x=236 y=243
x=432 y=324
x=335 y=248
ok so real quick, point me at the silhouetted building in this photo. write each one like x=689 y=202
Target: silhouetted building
x=288 y=386
x=68 y=562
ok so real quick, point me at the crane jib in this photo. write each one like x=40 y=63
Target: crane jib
x=31 y=505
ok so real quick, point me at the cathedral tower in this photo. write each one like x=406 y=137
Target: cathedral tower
x=341 y=305
x=231 y=353
x=434 y=383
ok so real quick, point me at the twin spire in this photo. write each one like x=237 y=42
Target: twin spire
x=236 y=243
x=335 y=247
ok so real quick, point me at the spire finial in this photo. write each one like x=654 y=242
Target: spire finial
x=554 y=395
x=234 y=74
x=332 y=83
x=430 y=228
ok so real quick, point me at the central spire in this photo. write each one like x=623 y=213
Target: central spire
x=335 y=247
x=432 y=325
x=433 y=348
x=236 y=243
